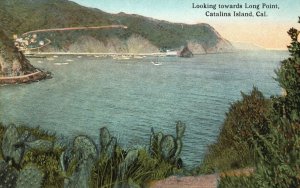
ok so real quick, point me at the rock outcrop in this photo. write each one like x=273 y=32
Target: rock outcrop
x=12 y=62
x=185 y=52
x=222 y=45
x=134 y=44
x=14 y=67
x=138 y=44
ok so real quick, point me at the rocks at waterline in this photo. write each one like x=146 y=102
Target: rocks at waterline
x=186 y=52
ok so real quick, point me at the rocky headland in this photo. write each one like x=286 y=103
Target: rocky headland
x=140 y=34
x=14 y=67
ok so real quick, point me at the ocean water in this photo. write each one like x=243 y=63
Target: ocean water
x=131 y=96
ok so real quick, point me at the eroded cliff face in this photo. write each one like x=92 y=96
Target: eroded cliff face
x=134 y=44
x=12 y=62
x=221 y=47
x=196 y=48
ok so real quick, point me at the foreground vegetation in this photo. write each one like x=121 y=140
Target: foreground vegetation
x=31 y=157
x=258 y=132
x=262 y=133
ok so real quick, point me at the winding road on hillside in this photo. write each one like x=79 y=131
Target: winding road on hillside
x=69 y=29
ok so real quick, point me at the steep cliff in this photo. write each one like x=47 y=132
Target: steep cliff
x=134 y=44
x=143 y=33
x=12 y=62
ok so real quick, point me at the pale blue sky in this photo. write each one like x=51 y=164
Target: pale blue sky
x=181 y=11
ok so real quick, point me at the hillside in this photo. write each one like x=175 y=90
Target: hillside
x=26 y=15
x=12 y=62
x=14 y=67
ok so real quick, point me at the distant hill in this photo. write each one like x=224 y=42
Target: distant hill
x=20 y=16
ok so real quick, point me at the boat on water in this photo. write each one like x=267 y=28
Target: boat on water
x=123 y=57
x=155 y=63
x=61 y=63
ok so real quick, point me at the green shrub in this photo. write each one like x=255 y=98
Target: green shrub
x=278 y=151
x=288 y=76
x=234 y=148
x=237 y=182
x=279 y=156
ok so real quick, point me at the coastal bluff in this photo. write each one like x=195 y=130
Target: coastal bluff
x=140 y=34
x=14 y=67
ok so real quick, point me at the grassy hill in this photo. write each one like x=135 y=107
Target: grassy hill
x=26 y=15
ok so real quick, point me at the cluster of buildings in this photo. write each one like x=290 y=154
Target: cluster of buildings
x=27 y=43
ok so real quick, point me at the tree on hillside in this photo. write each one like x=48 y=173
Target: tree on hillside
x=279 y=151
x=288 y=77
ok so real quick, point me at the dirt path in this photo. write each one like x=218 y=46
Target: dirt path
x=204 y=181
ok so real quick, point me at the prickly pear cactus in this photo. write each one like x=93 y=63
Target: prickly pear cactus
x=180 y=129
x=108 y=143
x=82 y=175
x=168 y=147
x=111 y=148
x=178 y=149
x=85 y=152
x=11 y=149
x=42 y=145
x=8 y=175
x=24 y=137
x=155 y=142
x=130 y=159
x=30 y=177
x=84 y=147
x=104 y=138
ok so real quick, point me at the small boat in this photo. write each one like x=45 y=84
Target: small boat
x=125 y=57
x=155 y=63
x=61 y=63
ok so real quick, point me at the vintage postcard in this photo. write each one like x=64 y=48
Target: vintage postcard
x=149 y=93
